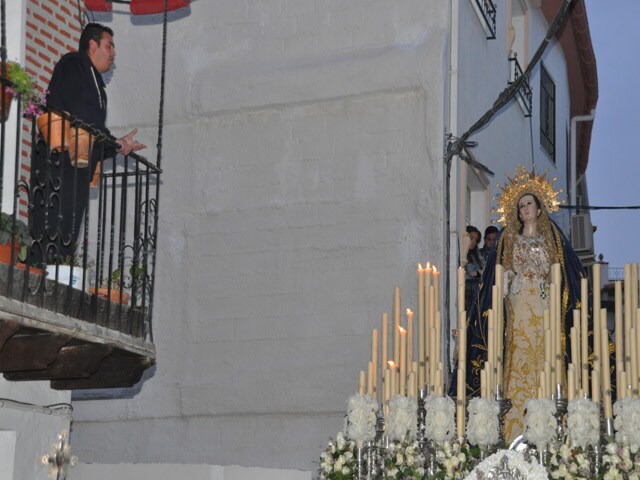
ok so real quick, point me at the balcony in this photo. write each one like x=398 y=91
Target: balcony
x=525 y=94
x=486 y=11
x=76 y=297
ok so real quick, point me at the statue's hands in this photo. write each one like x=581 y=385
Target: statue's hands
x=128 y=144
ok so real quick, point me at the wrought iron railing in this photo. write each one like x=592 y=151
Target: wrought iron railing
x=487 y=10
x=88 y=250
x=616 y=273
x=525 y=93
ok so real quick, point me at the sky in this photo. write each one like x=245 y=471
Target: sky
x=613 y=173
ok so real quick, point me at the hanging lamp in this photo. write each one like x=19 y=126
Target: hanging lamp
x=145 y=7
x=137 y=7
x=99 y=5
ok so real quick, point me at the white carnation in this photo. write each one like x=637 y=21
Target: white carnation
x=403 y=418
x=483 y=427
x=360 y=424
x=540 y=422
x=583 y=423
x=627 y=422
x=439 y=418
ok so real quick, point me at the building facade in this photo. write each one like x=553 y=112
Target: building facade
x=307 y=179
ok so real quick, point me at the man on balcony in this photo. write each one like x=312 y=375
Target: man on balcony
x=59 y=191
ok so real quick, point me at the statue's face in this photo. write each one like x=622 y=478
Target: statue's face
x=528 y=210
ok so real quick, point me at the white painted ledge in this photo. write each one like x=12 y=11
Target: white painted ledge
x=128 y=471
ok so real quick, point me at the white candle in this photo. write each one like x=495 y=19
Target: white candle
x=436 y=286
x=385 y=340
x=460 y=402
x=370 y=380
x=421 y=325
x=374 y=360
x=396 y=325
x=403 y=360
x=619 y=331
x=570 y=383
x=394 y=376
x=595 y=382
x=409 y=337
x=584 y=331
x=461 y=305
x=597 y=285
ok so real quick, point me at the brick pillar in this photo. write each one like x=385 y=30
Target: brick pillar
x=52 y=29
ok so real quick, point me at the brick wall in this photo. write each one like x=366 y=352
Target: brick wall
x=52 y=29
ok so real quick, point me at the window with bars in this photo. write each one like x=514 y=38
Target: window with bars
x=548 y=114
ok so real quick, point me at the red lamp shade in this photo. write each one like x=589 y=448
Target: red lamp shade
x=98 y=5
x=145 y=7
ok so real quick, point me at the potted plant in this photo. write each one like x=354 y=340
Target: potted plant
x=68 y=269
x=31 y=99
x=9 y=230
x=110 y=288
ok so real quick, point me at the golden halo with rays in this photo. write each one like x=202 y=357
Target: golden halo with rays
x=522 y=183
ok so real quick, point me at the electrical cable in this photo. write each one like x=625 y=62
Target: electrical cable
x=596 y=207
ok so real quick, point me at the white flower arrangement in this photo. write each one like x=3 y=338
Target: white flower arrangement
x=569 y=462
x=439 y=418
x=540 y=422
x=583 y=423
x=403 y=460
x=508 y=464
x=360 y=424
x=455 y=460
x=483 y=427
x=620 y=462
x=402 y=420
x=627 y=422
x=338 y=461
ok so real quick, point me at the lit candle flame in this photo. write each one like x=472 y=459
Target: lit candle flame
x=419 y=266
x=391 y=364
x=402 y=330
x=409 y=313
x=435 y=270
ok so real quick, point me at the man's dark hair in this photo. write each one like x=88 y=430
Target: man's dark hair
x=489 y=230
x=93 y=31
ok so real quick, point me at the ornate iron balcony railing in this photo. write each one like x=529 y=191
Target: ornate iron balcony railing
x=525 y=94
x=487 y=12
x=77 y=280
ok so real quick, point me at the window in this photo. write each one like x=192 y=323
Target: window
x=548 y=114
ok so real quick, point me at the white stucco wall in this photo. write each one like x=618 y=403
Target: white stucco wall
x=302 y=181
x=15 y=20
x=31 y=418
x=511 y=138
x=171 y=472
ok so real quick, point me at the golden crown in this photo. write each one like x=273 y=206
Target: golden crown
x=522 y=183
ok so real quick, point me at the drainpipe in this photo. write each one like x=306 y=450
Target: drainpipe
x=574 y=180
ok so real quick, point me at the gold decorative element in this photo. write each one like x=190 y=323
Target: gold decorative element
x=60 y=458
x=522 y=183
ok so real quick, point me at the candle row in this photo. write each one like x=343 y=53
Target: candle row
x=492 y=372
x=627 y=343
x=395 y=363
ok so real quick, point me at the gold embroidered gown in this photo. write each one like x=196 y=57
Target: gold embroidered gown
x=524 y=353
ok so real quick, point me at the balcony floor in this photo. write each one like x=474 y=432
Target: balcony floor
x=72 y=353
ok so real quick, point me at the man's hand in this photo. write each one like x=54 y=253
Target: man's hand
x=128 y=144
